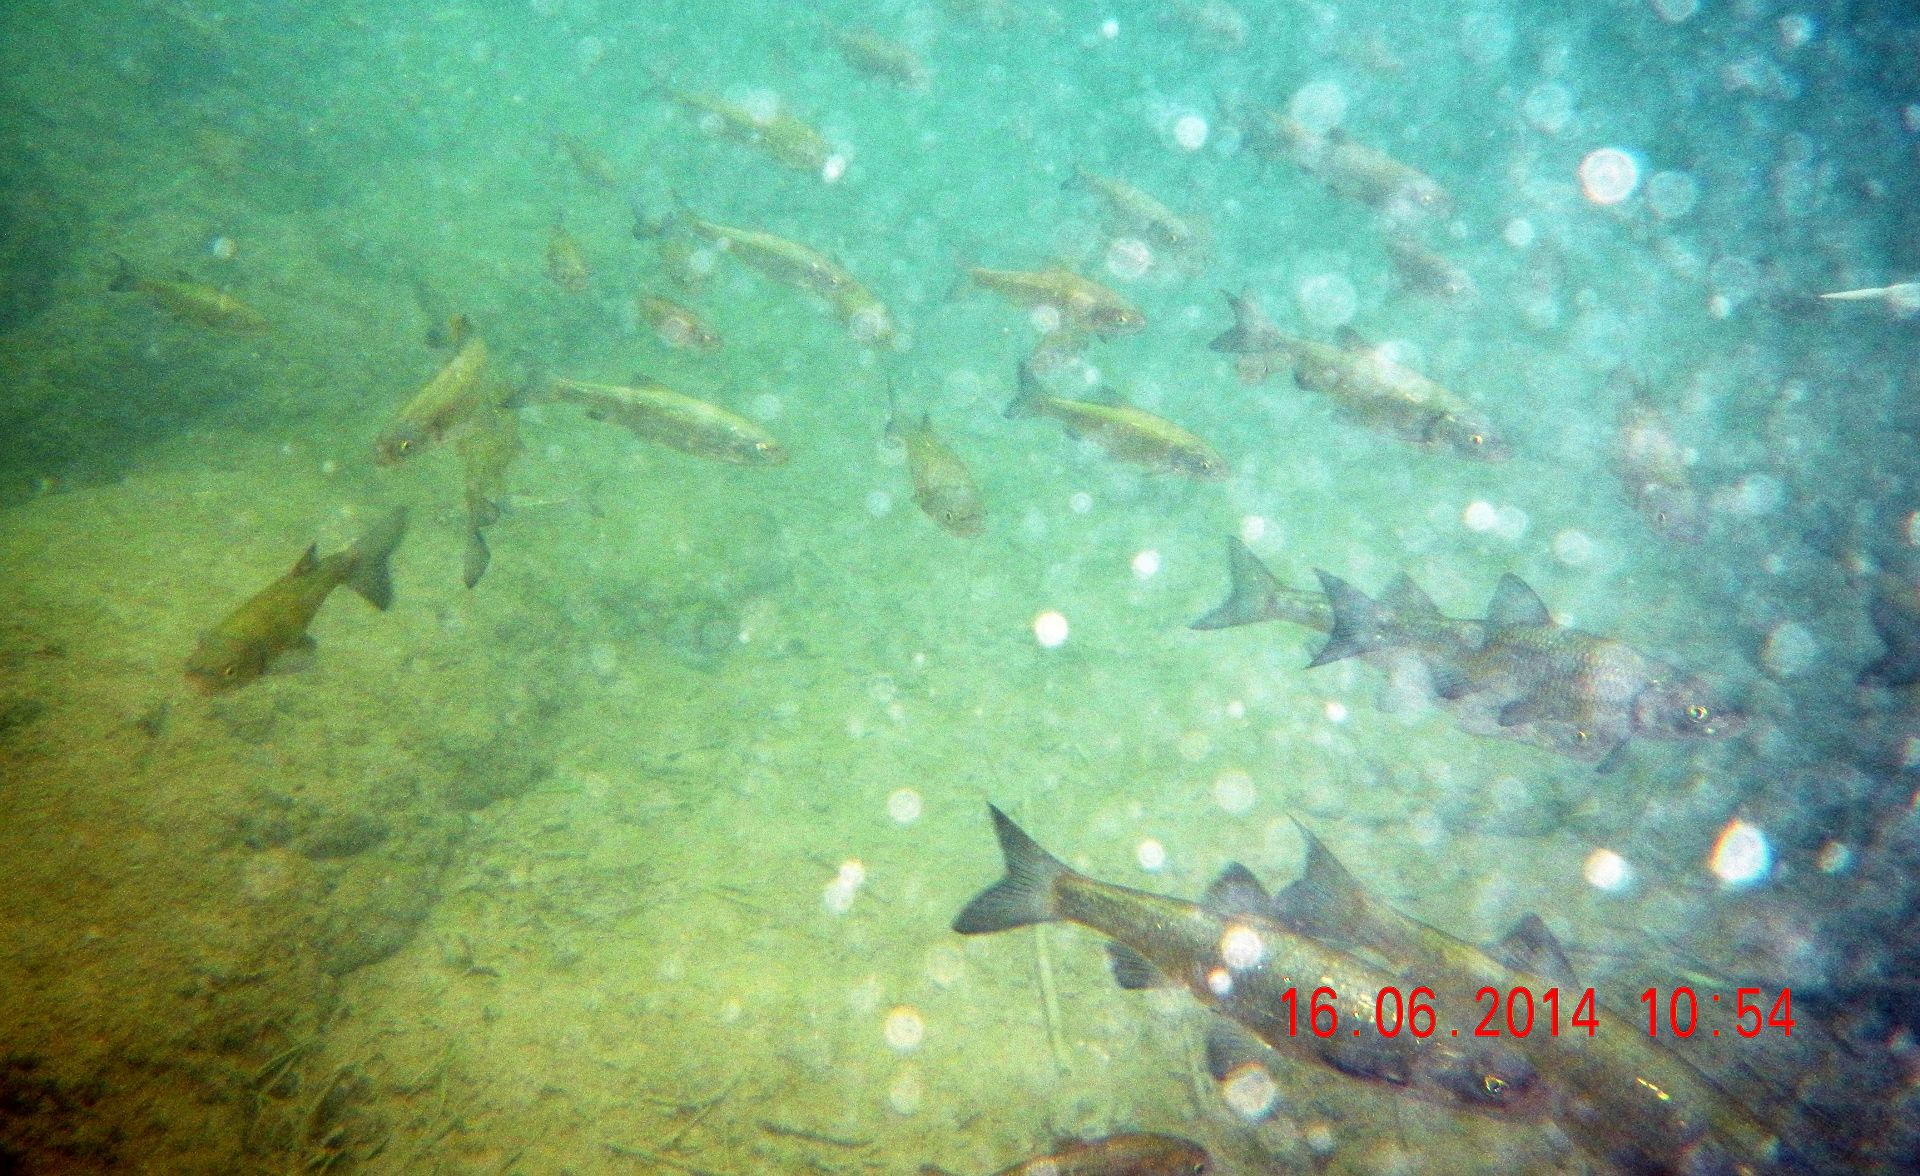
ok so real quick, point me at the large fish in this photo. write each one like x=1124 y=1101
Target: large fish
x=462 y=389
x=1083 y=304
x=1128 y=434
x=188 y=300
x=1368 y=387
x=244 y=644
x=566 y=264
x=943 y=487
x=1235 y=959
x=1424 y=271
x=1619 y=1094
x=654 y=412
x=588 y=163
x=1653 y=466
x=1131 y=1153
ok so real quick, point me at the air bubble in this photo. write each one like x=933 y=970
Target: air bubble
x=1318 y=107
x=1050 y=629
x=1328 y=300
x=1608 y=176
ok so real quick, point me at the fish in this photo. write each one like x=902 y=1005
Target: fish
x=187 y=300
x=880 y=57
x=1135 y=211
x=1130 y=1153
x=1620 y=1095
x=486 y=451
x=1893 y=607
x=776 y=258
x=245 y=643
x=1371 y=389
x=462 y=389
x=566 y=264
x=943 y=487
x=786 y=138
x=1083 y=304
x=1653 y=467
x=1902 y=297
x=675 y=325
x=588 y=163
x=865 y=317
x=1426 y=272
x=1128 y=434
x=1213 y=26
x=1350 y=169
x=1238 y=962
x=654 y=412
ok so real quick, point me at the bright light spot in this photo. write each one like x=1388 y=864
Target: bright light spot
x=1741 y=856
x=1050 y=629
x=1608 y=175
x=1480 y=516
x=329 y=467
x=1242 y=948
x=903 y=805
x=1336 y=712
x=838 y=897
x=1146 y=564
x=1756 y=494
x=1080 y=502
x=852 y=873
x=1519 y=233
x=1511 y=522
x=1675 y=11
x=1796 y=29
x=869 y=325
x=1220 y=982
x=223 y=248
x=1328 y=300
x=1190 y=132
x=1109 y=28
x=905 y=1029
x=1834 y=858
x=1129 y=257
x=1250 y=1091
x=763 y=106
x=1045 y=318
x=1606 y=870
x=905 y=1093
x=1234 y=792
x=1318 y=106
x=1672 y=194
x=1912 y=529
x=833 y=168
x=1151 y=855
x=879 y=504
x=1319 y=1137
x=1236 y=709
x=1573 y=548
x=1252 y=529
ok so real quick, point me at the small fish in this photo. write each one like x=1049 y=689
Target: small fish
x=943 y=487
x=1132 y=1153
x=1426 y=272
x=1082 y=303
x=880 y=57
x=588 y=163
x=244 y=644
x=1134 y=211
x=1903 y=298
x=1350 y=169
x=566 y=264
x=1369 y=388
x=486 y=451
x=1127 y=434
x=786 y=138
x=654 y=412
x=1653 y=466
x=675 y=325
x=787 y=262
x=1237 y=960
x=462 y=389
x=1213 y=26
x=187 y=300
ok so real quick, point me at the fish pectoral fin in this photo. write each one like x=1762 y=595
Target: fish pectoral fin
x=1532 y=947
x=1449 y=681
x=297 y=658
x=1133 y=971
x=1229 y=1047
x=1613 y=761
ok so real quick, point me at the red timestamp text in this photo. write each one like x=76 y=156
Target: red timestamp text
x=1683 y=1017
x=1519 y=1011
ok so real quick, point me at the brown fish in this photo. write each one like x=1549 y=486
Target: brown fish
x=943 y=487
x=188 y=300
x=1128 y=434
x=1133 y=211
x=1131 y=1153
x=462 y=389
x=880 y=57
x=241 y=647
x=1348 y=168
x=675 y=325
x=787 y=262
x=781 y=135
x=1426 y=272
x=566 y=264
x=654 y=412
x=1653 y=466
x=588 y=163
x=1082 y=303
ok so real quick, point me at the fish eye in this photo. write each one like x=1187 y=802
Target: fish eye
x=229 y=670
x=406 y=445
x=1580 y=735
x=1495 y=1084
x=1477 y=438
x=1698 y=713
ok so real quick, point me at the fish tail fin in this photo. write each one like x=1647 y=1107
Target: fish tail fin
x=1359 y=622
x=1075 y=179
x=368 y=572
x=1250 y=598
x=1027 y=401
x=476 y=557
x=123 y=276
x=1025 y=896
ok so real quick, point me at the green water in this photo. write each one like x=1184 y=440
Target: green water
x=642 y=854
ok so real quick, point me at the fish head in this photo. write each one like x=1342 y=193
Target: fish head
x=1470 y=439
x=1494 y=1077
x=399 y=443
x=1684 y=709
x=1677 y=512
x=1118 y=319
x=965 y=519
x=762 y=451
x=1202 y=464
x=222 y=662
x=1170 y=1156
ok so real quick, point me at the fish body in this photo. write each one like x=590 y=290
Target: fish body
x=1240 y=963
x=776 y=258
x=881 y=57
x=486 y=451
x=1370 y=388
x=1653 y=469
x=1127 y=434
x=1083 y=303
x=1425 y=271
x=1132 y=1153
x=588 y=163
x=462 y=389
x=1350 y=169
x=787 y=139
x=654 y=412
x=244 y=644
x=943 y=487
x=677 y=326
x=1138 y=212
x=566 y=264
x=1213 y=26
x=189 y=301
x=1619 y=1094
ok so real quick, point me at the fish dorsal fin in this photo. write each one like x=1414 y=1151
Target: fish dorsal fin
x=1515 y=605
x=1236 y=892
x=309 y=560
x=1108 y=395
x=1325 y=898
x=459 y=328
x=1351 y=340
x=1407 y=598
x=1531 y=947
x=1133 y=971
